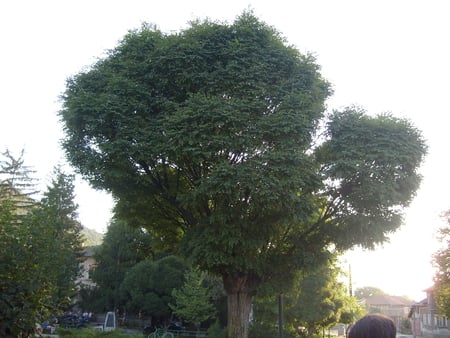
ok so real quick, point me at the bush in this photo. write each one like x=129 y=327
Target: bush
x=217 y=331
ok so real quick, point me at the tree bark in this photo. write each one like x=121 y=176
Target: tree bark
x=240 y=290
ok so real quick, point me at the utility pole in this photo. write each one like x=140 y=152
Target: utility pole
x=350 y=286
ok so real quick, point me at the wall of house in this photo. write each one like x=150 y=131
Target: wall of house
x=86 y=266
x=426 y=320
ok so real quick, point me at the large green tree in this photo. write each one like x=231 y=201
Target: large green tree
x=208 y=136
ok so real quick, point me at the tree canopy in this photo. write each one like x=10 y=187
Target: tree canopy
x=212 y=138
x=368 y=291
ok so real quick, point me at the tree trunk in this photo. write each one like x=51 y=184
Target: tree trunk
x=240 y=290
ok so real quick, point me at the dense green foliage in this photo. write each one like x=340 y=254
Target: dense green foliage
x=201 y=150
x=39 y=247
x=25 y=287
x=58 y=212
x=208 y=137
x=369 y=166
x=327 y=300
x=149 y=285
x=193 y=301
x=441 y=261
x=316 y=300
x=130 y=278
x=368 y=291
x=122 y=248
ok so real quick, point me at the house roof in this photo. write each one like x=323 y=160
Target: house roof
x=414 y=308
x=89 y=251
x=388 y=300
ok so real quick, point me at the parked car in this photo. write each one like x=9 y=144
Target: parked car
x=72 y=320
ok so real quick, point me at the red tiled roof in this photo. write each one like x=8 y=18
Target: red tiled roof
x=388 y=300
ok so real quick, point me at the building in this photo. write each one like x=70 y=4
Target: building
x=426 y=319
x=87 y=265
x=395 y=307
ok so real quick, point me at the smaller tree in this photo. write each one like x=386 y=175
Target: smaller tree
x=368 y=291
x=58 y=212
x=150 y=285
x=193 y=300
x=39 y=247
x=316 y=300
x=441 y=261
x=123 y=247
x=351 y=310
x=325 y=296
x=25 y=285
x=17 y=183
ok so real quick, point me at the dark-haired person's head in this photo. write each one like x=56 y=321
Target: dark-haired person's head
x=373 y=326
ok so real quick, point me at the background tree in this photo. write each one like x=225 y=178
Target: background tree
x=351 y=310
x=318 y=303
x=122 y=248
x=327 y=300
x=25 y=289
x=405 y=326
x=441 y=261
x=265 y=313
x=316 y=300
x=17 y=182
x=324 y=297
x=39 y=245
x=193 y=301
x=368 y=291
x=207 y=137
x=58 y=211
x=150 y=285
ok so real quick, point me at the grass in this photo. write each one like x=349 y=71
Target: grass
x=91 y=333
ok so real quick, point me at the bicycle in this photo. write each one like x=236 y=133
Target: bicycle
x=161 y=333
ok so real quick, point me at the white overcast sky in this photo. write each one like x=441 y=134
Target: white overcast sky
x=384 y=55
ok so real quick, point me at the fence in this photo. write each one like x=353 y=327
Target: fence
x=162 y=333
